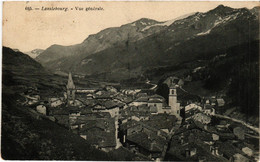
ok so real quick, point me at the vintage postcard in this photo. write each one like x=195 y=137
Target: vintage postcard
x=130 y=81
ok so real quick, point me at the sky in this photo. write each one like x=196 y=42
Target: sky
x=27 y=30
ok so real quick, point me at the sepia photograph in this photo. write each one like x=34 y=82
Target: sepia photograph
x=130 y=81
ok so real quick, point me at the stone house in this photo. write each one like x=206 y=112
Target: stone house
x=140 y=101
x=200 y=117
x=220 y=102
x=55 y=102
x=41 y=109
x=155 y=103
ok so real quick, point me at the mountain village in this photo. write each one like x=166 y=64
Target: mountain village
x=147 y=125
x=172 y=87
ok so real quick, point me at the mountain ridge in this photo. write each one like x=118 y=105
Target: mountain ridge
x=97 y=42
x=130 y=50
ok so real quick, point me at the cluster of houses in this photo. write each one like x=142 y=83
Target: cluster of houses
x=156 y=104
x=202 y=110
x=99 y=129
x=95 y=114
x=149 y=135
x=195 y=141
x=204 y=137
x=31 y=97
x=108 y=119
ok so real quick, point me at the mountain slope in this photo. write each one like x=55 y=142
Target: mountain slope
x=130 y=50
x=200 y=36
x=56 y=55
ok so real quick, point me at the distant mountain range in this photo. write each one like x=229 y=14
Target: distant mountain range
x=130 y=50
x=34 y=53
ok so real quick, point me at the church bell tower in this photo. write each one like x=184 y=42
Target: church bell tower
x=175 y=106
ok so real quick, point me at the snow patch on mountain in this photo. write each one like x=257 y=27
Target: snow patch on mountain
x=143 y=23
x=133 y=24
x=169 y=22
x=225 y=19
x=204 y=33
x=34 y=53
x=220 y=21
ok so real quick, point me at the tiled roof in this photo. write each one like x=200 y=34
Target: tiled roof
x=228 y=149
x=84 y=88
x=128 y=124
x=202 y=152
x=100 y=132
x=155 y=101
x=150 y=142
x=141 y=99
x=108 y=104
x=141 y=95
x=60 y=112
x=156 y=96
x=98 y=115
x=104 y=94
x=85 y=111
x=161 y=121
x=100 y=123
x=96 y=136
x=124 y=99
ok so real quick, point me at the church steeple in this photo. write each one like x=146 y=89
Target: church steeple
x=71 y=89
x=70 y=84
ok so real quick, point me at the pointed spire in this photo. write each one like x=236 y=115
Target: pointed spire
x=172 y=84
x=70 y=84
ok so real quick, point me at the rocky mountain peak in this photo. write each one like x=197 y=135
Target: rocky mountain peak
x=222 y=10
x=255 y=10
